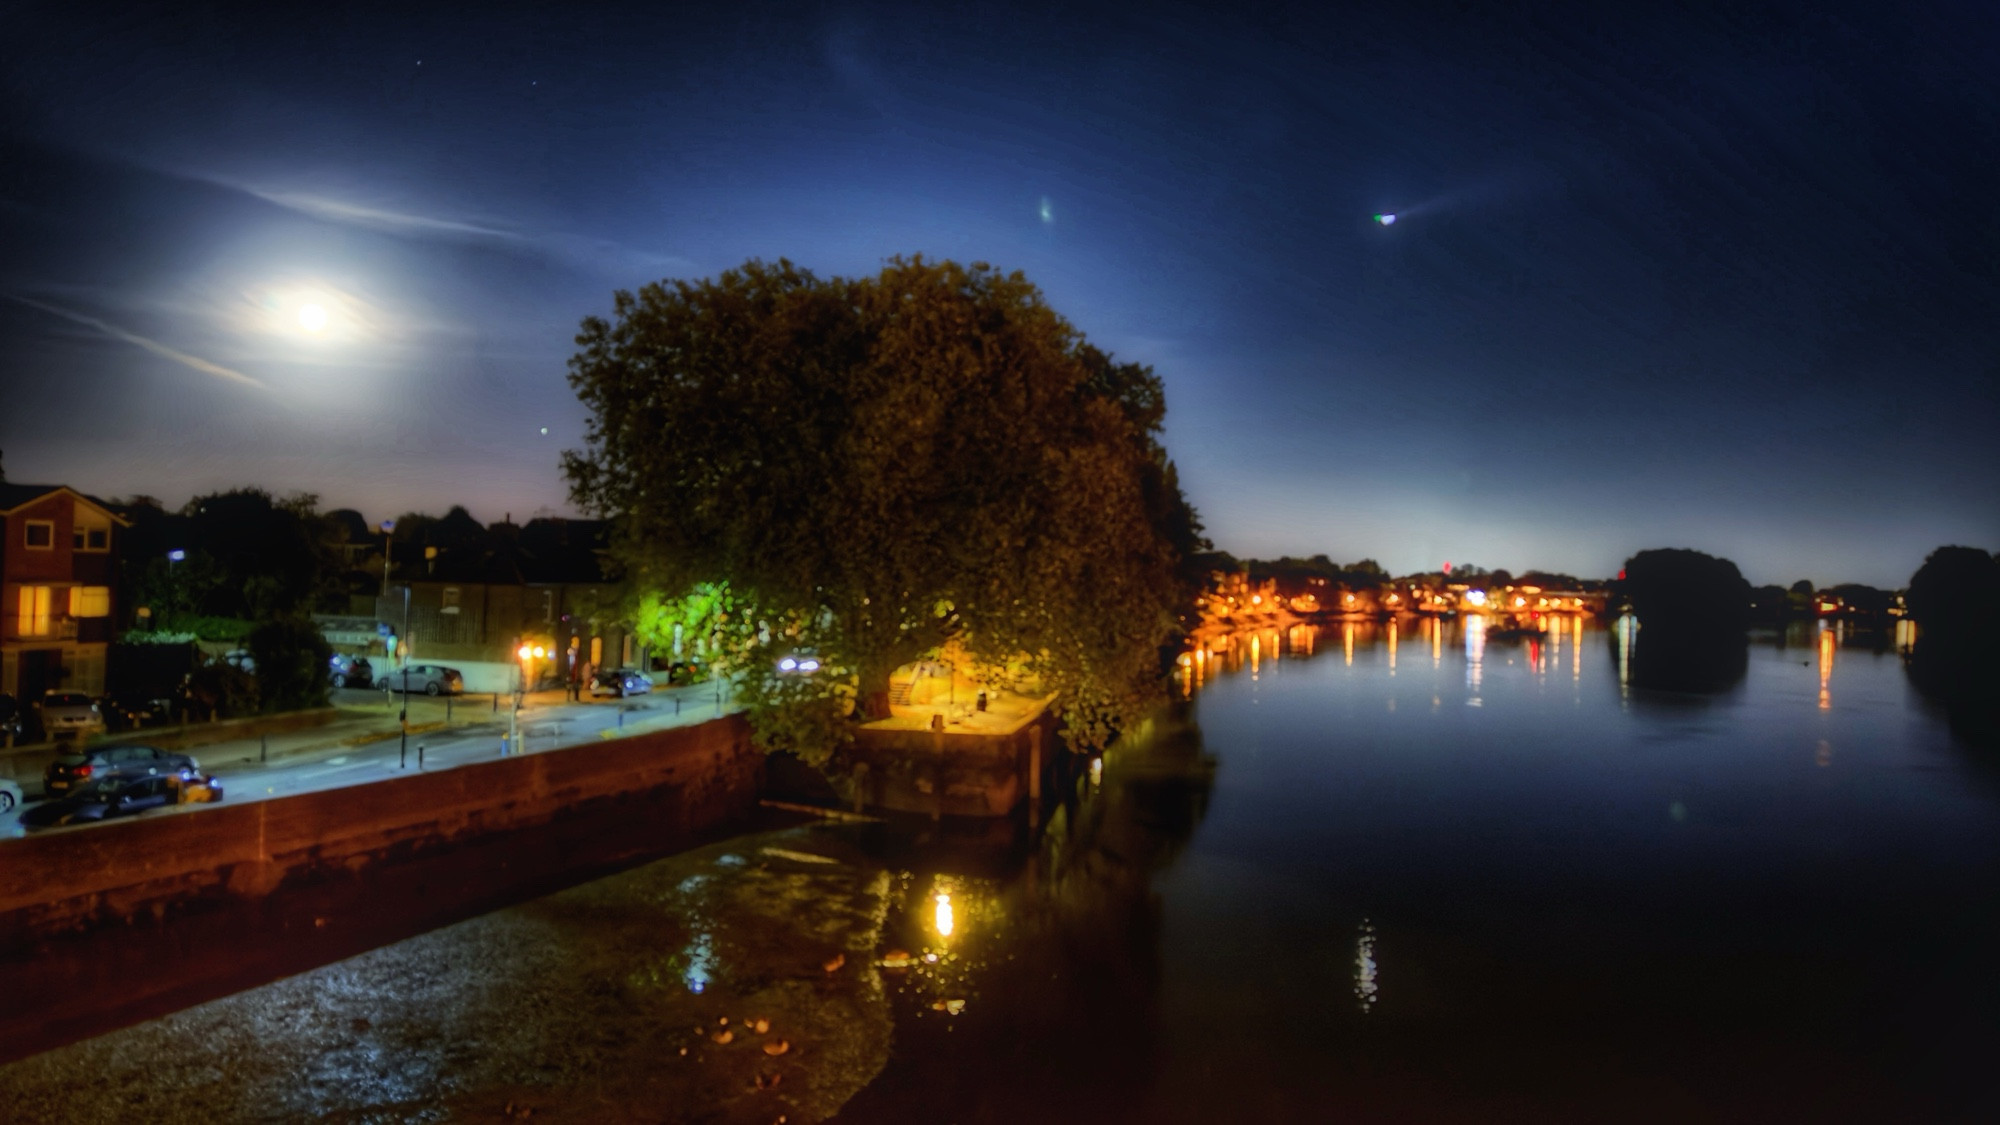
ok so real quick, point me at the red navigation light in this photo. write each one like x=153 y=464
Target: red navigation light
x=1447 y=567
x=1621 y=574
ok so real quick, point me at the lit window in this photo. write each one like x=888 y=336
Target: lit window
x=41 y=534
x=35 y=611
x=90 y=601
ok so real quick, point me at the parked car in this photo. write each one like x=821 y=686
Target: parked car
x=10 y=718
x=620 y=682
x=103 y=799
x=10 y=796
x=431 y=679
x=71 y=772
x=352 y=671
x=69 y=714
x=133 y=711
x=199 y=788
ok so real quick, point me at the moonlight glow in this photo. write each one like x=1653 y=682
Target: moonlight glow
x=312 y=317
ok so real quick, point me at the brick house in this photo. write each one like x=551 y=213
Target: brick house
x=58 y=567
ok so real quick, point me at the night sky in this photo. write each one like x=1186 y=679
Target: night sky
x=1727 y=279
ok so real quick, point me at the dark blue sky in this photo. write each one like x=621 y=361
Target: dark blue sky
x=1727 y=278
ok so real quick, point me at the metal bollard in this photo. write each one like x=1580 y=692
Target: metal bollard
x=496 y=703
x=263 y=748
x=420 y=755
x=621 y=717
x=447 y=708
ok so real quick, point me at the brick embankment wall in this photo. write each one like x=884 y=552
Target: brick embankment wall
x=683 y=781
x=974 y=775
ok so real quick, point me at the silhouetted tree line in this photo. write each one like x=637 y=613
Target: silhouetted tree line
x=1955 y=600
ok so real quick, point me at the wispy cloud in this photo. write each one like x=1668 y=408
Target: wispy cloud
x=577 y=250
x=382 y=219
x=133 y=338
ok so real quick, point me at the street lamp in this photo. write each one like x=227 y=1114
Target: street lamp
x=403 y=642
x=387 y=527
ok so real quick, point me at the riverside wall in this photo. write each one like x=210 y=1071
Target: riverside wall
x=677 y=783
x=952 y=774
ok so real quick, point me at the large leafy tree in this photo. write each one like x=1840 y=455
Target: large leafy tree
x=872 y=466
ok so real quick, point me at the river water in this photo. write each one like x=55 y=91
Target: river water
x=1416 y=873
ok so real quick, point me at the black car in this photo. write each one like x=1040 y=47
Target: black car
x=71 y=772
x=620 y=683
x=135 y=711
x=100 y=800
x=351 y=672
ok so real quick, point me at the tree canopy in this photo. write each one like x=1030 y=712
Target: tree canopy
x=872 y=466
x=1693 y=611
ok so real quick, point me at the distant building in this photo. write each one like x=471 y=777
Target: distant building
x=58 y=564
x=475 y=601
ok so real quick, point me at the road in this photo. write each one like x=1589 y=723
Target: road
x=548 y=722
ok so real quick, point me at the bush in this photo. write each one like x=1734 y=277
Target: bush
x=222 y=691
x=291 y=658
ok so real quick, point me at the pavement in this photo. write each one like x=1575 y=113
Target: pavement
x=367 y=742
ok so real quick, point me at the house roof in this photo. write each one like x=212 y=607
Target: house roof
x=13 y=496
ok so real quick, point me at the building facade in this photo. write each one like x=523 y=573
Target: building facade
x=58 y=569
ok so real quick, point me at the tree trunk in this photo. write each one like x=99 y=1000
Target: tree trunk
x=872 y=690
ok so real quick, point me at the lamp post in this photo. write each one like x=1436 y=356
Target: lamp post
x=403 y=717
x=387 y=527
x=173 y=591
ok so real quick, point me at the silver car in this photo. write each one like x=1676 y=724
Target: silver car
x=70 y=714
x=431 y=679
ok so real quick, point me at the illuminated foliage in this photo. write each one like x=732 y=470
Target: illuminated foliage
x=876 y=465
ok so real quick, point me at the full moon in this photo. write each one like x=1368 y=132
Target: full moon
x=312 y=318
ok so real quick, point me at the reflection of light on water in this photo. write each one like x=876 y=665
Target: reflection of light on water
x=1576 y=650
x=1823 y=757
x=1256 y=656
x=1435 y=625
x=1826 y=644
x=1475 y=655
x=1628 y=630
x=701 y=959
x=1347 y=641
x=1364 y=966
x=1906 y=634
x=1392 y=647
x=1300 y=638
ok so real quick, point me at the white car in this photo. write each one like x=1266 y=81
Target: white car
x=69 y=714
x=10 y=796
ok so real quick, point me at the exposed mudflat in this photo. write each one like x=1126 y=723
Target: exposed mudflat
x=605 y=1002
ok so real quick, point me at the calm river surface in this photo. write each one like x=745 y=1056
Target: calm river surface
x=1416 y=875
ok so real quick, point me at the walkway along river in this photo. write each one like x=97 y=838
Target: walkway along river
x=1359 y=874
